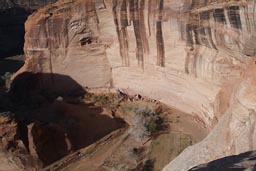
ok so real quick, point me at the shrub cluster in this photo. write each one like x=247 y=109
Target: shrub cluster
x=145 y=123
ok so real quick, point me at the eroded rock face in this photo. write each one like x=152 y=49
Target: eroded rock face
x=52 y=136
x=14 y=155
x=13 y=14
x=197 y=56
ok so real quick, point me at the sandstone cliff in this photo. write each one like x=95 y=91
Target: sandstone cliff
x=13 y=14
x=198 y=56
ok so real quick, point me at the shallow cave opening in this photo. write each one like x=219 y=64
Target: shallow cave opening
x=85 y=41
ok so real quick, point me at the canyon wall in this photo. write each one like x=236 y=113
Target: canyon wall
x=13 y=14
x=197 y=56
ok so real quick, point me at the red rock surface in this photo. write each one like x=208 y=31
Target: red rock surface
x=13 y=14
x=14 y=153
x=197 y=56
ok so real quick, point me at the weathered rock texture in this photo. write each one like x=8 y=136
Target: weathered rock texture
x=13 y=14
x=198 y=56
x=13 y=152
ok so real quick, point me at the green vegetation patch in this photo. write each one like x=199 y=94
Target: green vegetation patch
x=111 y=101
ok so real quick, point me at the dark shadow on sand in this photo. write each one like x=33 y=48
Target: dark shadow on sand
x=239 y=162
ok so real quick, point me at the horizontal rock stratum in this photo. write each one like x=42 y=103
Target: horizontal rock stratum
x=197 y=56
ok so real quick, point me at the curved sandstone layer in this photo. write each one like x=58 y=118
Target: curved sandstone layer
x=197 y=56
